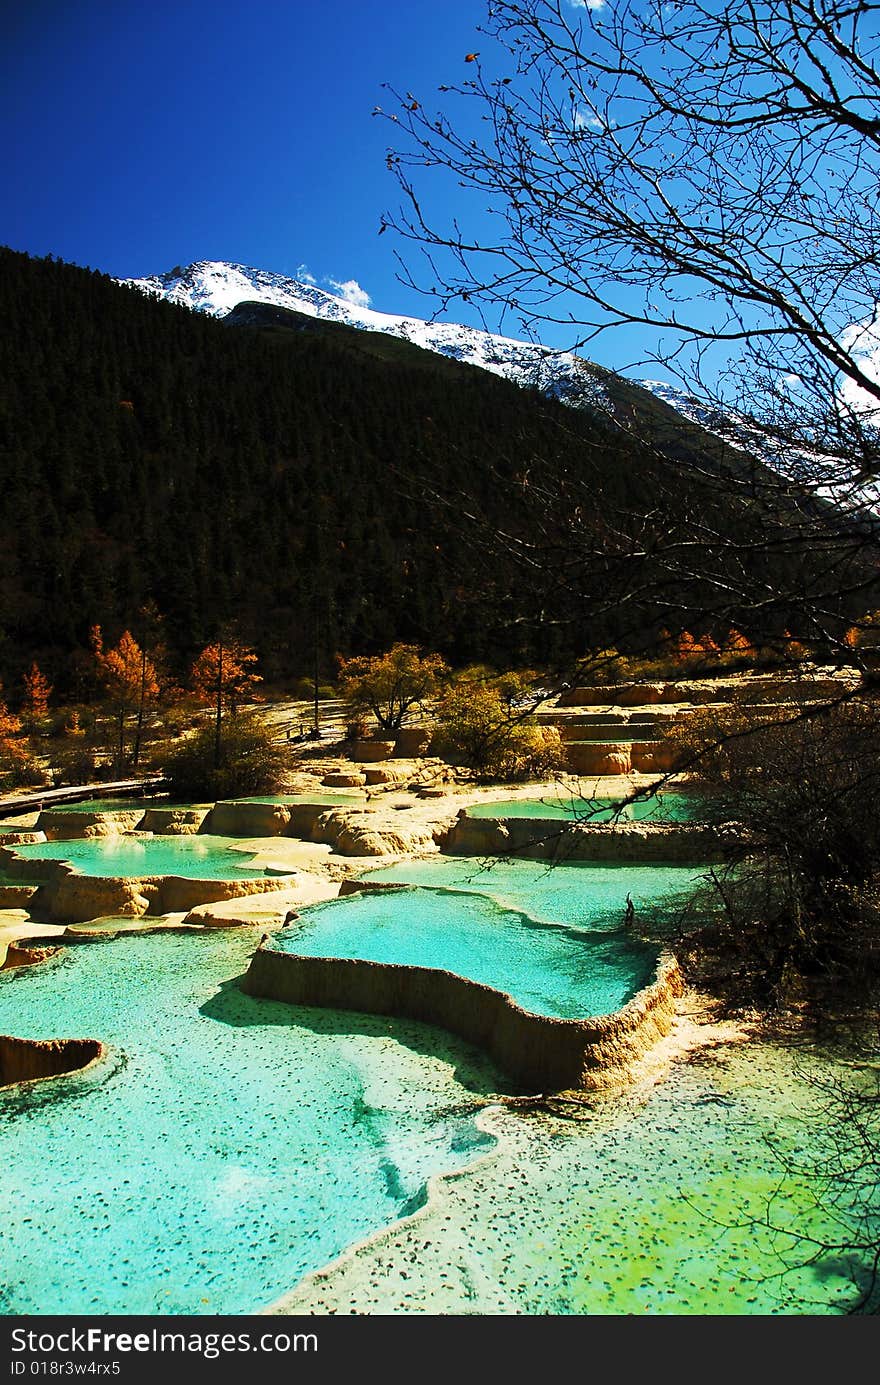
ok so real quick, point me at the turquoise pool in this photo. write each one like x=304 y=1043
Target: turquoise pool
x=546 y=968
x=198 y=856
x=668 y=806
x=232 y=1145
x=581 y=894
x=237 y=1144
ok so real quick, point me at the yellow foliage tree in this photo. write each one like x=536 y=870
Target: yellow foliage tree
x=390 y=685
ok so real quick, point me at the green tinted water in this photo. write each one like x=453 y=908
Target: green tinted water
x=688 y=1198
x=237 y=1144
x=546 y=968
x=581 y=894
x=117 y=805
x=198 y=856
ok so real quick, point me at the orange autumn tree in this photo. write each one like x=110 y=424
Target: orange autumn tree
x=223 y=676
x=129 y=676
x=35 y=703
x=14 y=758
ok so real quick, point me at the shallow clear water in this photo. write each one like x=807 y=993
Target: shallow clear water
x=199 y=856
x=672 y=807
x=237 y=1145
x=546 y=968
x=674 y=1201
x=581 y=894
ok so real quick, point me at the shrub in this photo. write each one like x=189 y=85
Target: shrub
x=303 y=690
x=251 y=761
x=476 y=729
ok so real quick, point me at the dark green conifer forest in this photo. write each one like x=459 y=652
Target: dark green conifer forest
x=321 y=486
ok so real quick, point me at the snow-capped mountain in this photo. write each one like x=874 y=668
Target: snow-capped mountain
x=218 y=288
x=215 y=287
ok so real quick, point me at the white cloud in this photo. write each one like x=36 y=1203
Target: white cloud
x=862 y=340
x=304 y=275
x=586 y=122
x=587 y=4
x=351 y=292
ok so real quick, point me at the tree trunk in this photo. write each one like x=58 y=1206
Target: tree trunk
x=136 y=751
x=219 y=714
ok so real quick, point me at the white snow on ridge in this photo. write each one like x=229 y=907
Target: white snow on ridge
x=216 y=287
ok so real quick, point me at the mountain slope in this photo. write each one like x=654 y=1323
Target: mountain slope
x=216 y=288
x=315 y=482
x=271 y=476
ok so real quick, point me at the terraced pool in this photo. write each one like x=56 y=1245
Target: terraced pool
x=231 y=1145
x=235 y=1145
x=199 y=856
x=546 y=968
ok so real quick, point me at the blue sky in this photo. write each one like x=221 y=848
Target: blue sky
x=138 y=137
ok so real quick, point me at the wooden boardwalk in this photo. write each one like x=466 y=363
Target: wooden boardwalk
x=13 y=804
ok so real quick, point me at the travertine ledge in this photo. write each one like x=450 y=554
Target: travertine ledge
x=540 y=1052
x=25 y=1060
x=549 y=839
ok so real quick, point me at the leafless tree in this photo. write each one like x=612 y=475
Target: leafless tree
x=703 y=173
x=700 y=181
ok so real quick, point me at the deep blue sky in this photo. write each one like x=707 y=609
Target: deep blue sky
x=140 y=136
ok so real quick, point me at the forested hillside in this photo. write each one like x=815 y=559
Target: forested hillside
x=315 y=486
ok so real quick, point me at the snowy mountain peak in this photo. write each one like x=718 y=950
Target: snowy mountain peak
x=217 y=287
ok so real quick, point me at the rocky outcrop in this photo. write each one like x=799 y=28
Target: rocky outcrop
x=21 y=954
x=385 y=774
x=21 y=838
x=540 y=1052
x=412 y=742
x=20 y=868
x=342 y=780
x=596 y=757
x=646 y=757
x=372 y=750
x=75 y=823
x=546 y=839
x=234 y=818
x=73 y=898
x=601 y=696
x=369 y=887
x=28 y=1060
x=368 y=834
x=640 y=694
x=700 y=691
x=175 y=822
x=177 y=894
x=16 y=896
x=69 y=897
